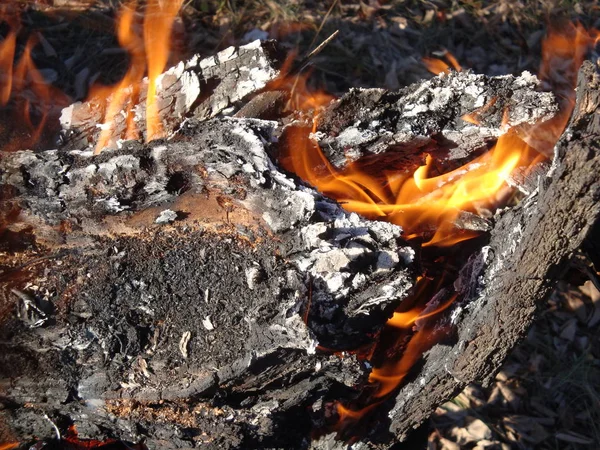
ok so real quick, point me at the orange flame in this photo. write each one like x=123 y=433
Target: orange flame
x=42 y=95
x=7 y=56
x=414 y=200
x=128 y=88
x=158 y=22
x=9 y=446
x=392 y=373
x=426 y=202
x=22 y=86
x=150 y=53
x=563 y=52
x=437 y=66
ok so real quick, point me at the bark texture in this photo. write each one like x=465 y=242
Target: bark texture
x=181 y=274
x=529 y=248
x=189 y=292
x=452 y=117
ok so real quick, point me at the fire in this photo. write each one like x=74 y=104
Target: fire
x=128 y=88
x=9 y=446
x=23 y=89
x=426 y=202
x=7 y=56
x=158 y=22
x=437 y=66
x=148 y=53
x=417 y=201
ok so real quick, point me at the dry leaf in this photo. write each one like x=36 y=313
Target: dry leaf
x=475 y=431
x=525 y=428
x=479 y=430
x=509 y=395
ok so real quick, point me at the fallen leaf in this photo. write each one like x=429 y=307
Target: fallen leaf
x=479 y=430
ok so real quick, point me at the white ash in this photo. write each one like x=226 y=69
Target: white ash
x=335 y=246
x=206 y=323
x=429 y=108
x=166 y=216
x=239 y=70
x=253 y=276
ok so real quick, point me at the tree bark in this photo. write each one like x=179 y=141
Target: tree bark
x=530 y=247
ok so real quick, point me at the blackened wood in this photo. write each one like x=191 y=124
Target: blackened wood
x=530 y=247
x=452 y=117
x=185 y=287
x=163 y=290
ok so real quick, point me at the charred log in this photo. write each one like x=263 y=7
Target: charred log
x=503 y=285
x=190 y=292
x=452 y=117
x=182 y=271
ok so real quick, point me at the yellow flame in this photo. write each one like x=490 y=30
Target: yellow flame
x=158 y=22
x=429 y=199
x=419 y=200
x=127 y=89
x=9 y=445
x=149 y=52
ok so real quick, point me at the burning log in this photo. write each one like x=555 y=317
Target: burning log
x=530 y=246
x=450 y=117
x=198 y=88
x=190 y=292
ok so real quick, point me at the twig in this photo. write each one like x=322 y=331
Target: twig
x=306 y=61
x=335 y=2
x=56 y=430
x=319 y=48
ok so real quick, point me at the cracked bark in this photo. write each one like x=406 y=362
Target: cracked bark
x=116 y=315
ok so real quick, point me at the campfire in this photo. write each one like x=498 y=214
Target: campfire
x=209 y=252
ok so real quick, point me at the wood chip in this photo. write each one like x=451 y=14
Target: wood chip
x=183 y=343
x=208 y=324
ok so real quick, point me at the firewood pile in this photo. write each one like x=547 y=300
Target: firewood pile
x=235 y=281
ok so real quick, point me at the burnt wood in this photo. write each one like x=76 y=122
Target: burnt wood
x=198 y=88
x=452 y=117
x=504 y=284
x=190 y=293
x=182 y=291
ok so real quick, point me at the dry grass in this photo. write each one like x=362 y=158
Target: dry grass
x=381 y=43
